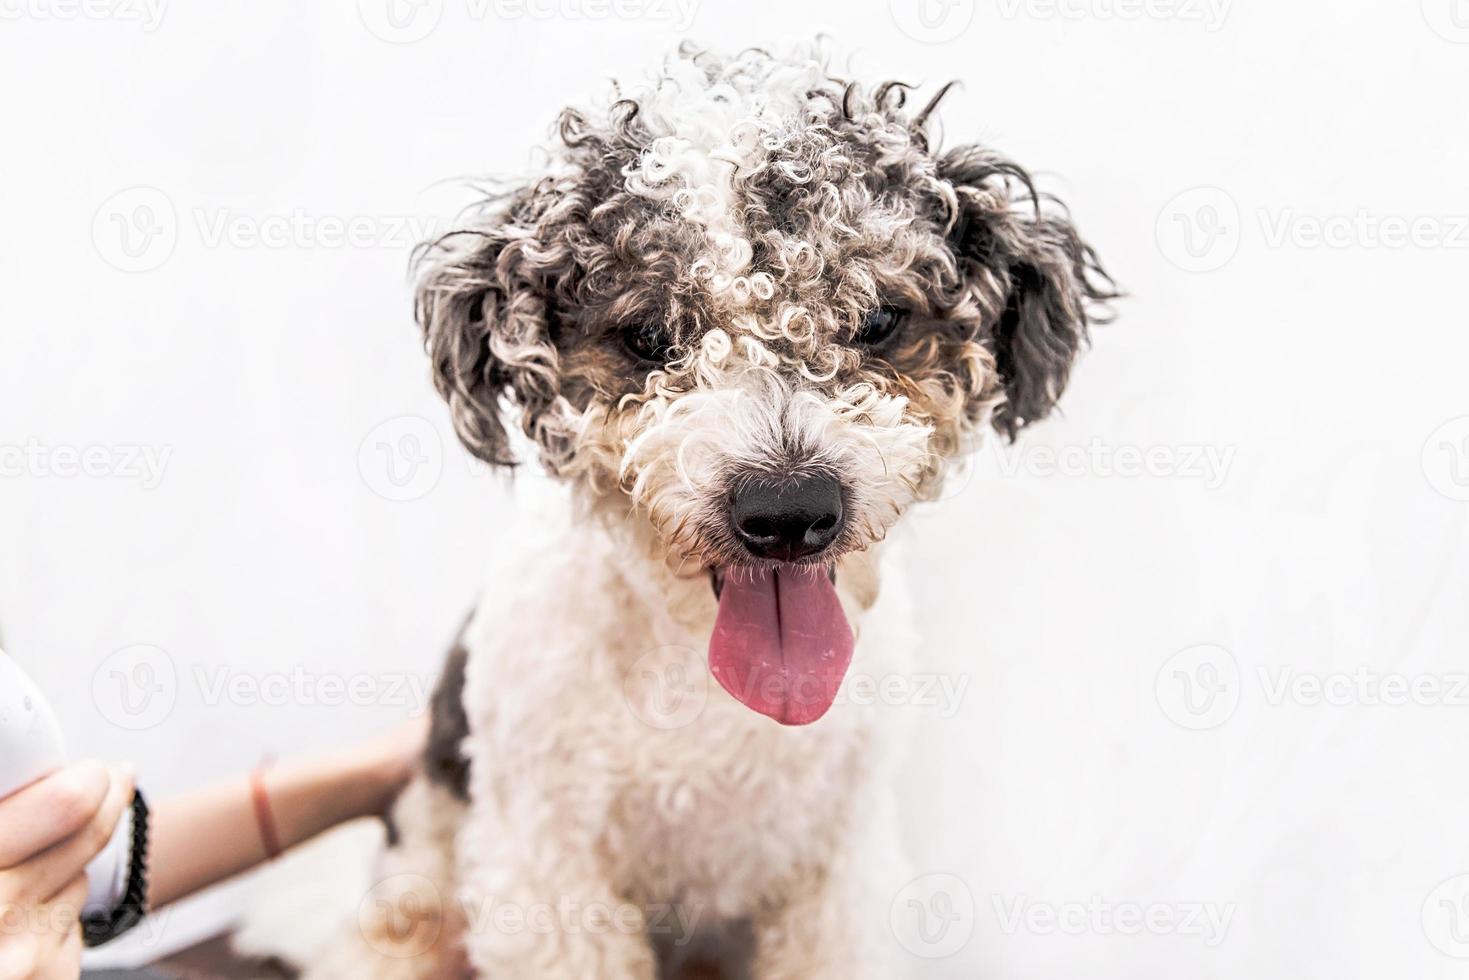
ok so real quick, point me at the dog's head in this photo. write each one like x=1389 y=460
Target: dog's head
x=753 y=307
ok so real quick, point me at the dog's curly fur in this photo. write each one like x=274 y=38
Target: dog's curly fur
x=676 y=307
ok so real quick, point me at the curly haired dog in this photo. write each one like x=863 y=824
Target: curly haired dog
x=748 y=316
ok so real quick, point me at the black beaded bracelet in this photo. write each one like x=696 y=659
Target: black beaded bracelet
x=103 y=927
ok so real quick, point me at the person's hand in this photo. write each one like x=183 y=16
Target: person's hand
x=49 y=832
x=392 y=759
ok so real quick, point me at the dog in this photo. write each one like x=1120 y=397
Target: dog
x=748 y=316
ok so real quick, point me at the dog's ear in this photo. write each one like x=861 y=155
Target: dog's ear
x=1037 y=282
x=482 y=307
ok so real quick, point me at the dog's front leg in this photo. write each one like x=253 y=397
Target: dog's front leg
x=821 y=933
x=405 y=927
x=833 y=923
x=537 y=907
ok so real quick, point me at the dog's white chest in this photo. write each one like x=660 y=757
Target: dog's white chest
x=599 y=725
x=732 y=807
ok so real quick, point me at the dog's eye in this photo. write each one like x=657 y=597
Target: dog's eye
x=879 y=326
x=647 y=343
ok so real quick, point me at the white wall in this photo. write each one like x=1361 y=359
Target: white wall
x=1332 y=540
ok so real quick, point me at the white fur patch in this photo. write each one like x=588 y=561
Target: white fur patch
x=715 y=130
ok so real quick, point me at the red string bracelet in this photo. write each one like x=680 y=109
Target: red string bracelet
x=264 y=817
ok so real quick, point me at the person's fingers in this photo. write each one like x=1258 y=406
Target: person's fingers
x=62 y=923
x=50 y=871
x=50 y=810
x=44 y=941
x=73 y=895
x=63 y=911
x=67 y=963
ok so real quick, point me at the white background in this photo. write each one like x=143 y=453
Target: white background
x=1077 y=604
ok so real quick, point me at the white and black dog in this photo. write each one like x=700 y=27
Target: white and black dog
x=748 y=316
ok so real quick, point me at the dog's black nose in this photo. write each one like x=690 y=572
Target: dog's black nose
x=790 y=519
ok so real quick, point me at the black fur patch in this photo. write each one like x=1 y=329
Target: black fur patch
x=444 y=761
x=724 y=949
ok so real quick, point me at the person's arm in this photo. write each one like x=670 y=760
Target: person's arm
x=208 y=835
x=49 y=831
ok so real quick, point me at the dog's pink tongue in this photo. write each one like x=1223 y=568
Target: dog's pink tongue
x=781 y=642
